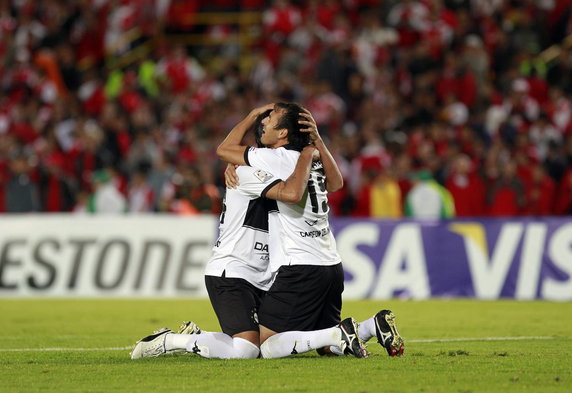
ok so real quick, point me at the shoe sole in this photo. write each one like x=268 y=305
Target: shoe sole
x=397 y=344
x=189 y=327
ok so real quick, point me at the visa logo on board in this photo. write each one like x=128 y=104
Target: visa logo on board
x=489 y=266
x=403 y=265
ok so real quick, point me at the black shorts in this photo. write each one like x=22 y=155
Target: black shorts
x=303 y=297
x=235 y=302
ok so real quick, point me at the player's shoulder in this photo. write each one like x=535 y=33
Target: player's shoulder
x=287 y=154
x=273 y=158
x=265 y=151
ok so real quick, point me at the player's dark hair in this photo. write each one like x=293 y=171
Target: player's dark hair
x=259 y=129
x=289 y=120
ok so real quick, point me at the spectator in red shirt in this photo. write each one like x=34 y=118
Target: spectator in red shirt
x=179 y=70
x=563 y=202
x=282 y=17
x=540 y=193
x=410 y=17
x=506 y=196
x=466 y=187
x=180 y=15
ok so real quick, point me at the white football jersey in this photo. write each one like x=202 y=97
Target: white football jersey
x=241 y=250
x=298 y=234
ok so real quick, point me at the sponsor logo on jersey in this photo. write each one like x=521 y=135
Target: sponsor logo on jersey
x=263 y=176
x=321 y=233
x=261 y=246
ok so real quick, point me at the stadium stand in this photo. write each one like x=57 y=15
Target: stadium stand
x=135 y=95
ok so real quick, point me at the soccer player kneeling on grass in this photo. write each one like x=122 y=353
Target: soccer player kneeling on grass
x=301 y=310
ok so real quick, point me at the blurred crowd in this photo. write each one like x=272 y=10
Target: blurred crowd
x=432 y=109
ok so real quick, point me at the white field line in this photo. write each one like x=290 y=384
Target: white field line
x=64 y=349
x=452 y=340
x=422 y=341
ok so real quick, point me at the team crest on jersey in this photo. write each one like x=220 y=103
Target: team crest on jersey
x=263 y=176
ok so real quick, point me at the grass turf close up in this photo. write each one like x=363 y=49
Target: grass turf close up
x=451 y=346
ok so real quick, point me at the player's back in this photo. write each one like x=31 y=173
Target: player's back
x=242 y=247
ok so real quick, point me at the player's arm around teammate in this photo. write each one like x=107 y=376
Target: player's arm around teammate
x=292 y=190
x=231 y=148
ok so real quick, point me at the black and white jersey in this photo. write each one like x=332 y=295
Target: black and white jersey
x=241 y=250
x=299 y=234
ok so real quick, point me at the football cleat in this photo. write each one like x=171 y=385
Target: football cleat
x=152 y=345
x=387 y=334
x=189 y=327
x=351 y=344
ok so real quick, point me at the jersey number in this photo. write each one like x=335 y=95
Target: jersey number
x=314 y=196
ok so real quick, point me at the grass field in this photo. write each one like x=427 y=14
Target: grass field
x=451 y=346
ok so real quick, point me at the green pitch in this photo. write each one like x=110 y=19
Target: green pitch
x=451 y=346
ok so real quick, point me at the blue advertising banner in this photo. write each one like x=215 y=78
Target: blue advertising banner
x=485 y=259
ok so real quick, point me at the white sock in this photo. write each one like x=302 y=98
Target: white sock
x=290 y=343
x=213 y=345
x=366 y=329
x=337 y=351
x=174 y=342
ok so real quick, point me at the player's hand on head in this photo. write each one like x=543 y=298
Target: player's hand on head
x=230 y=176
x=260 y=110
x=309 y=125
